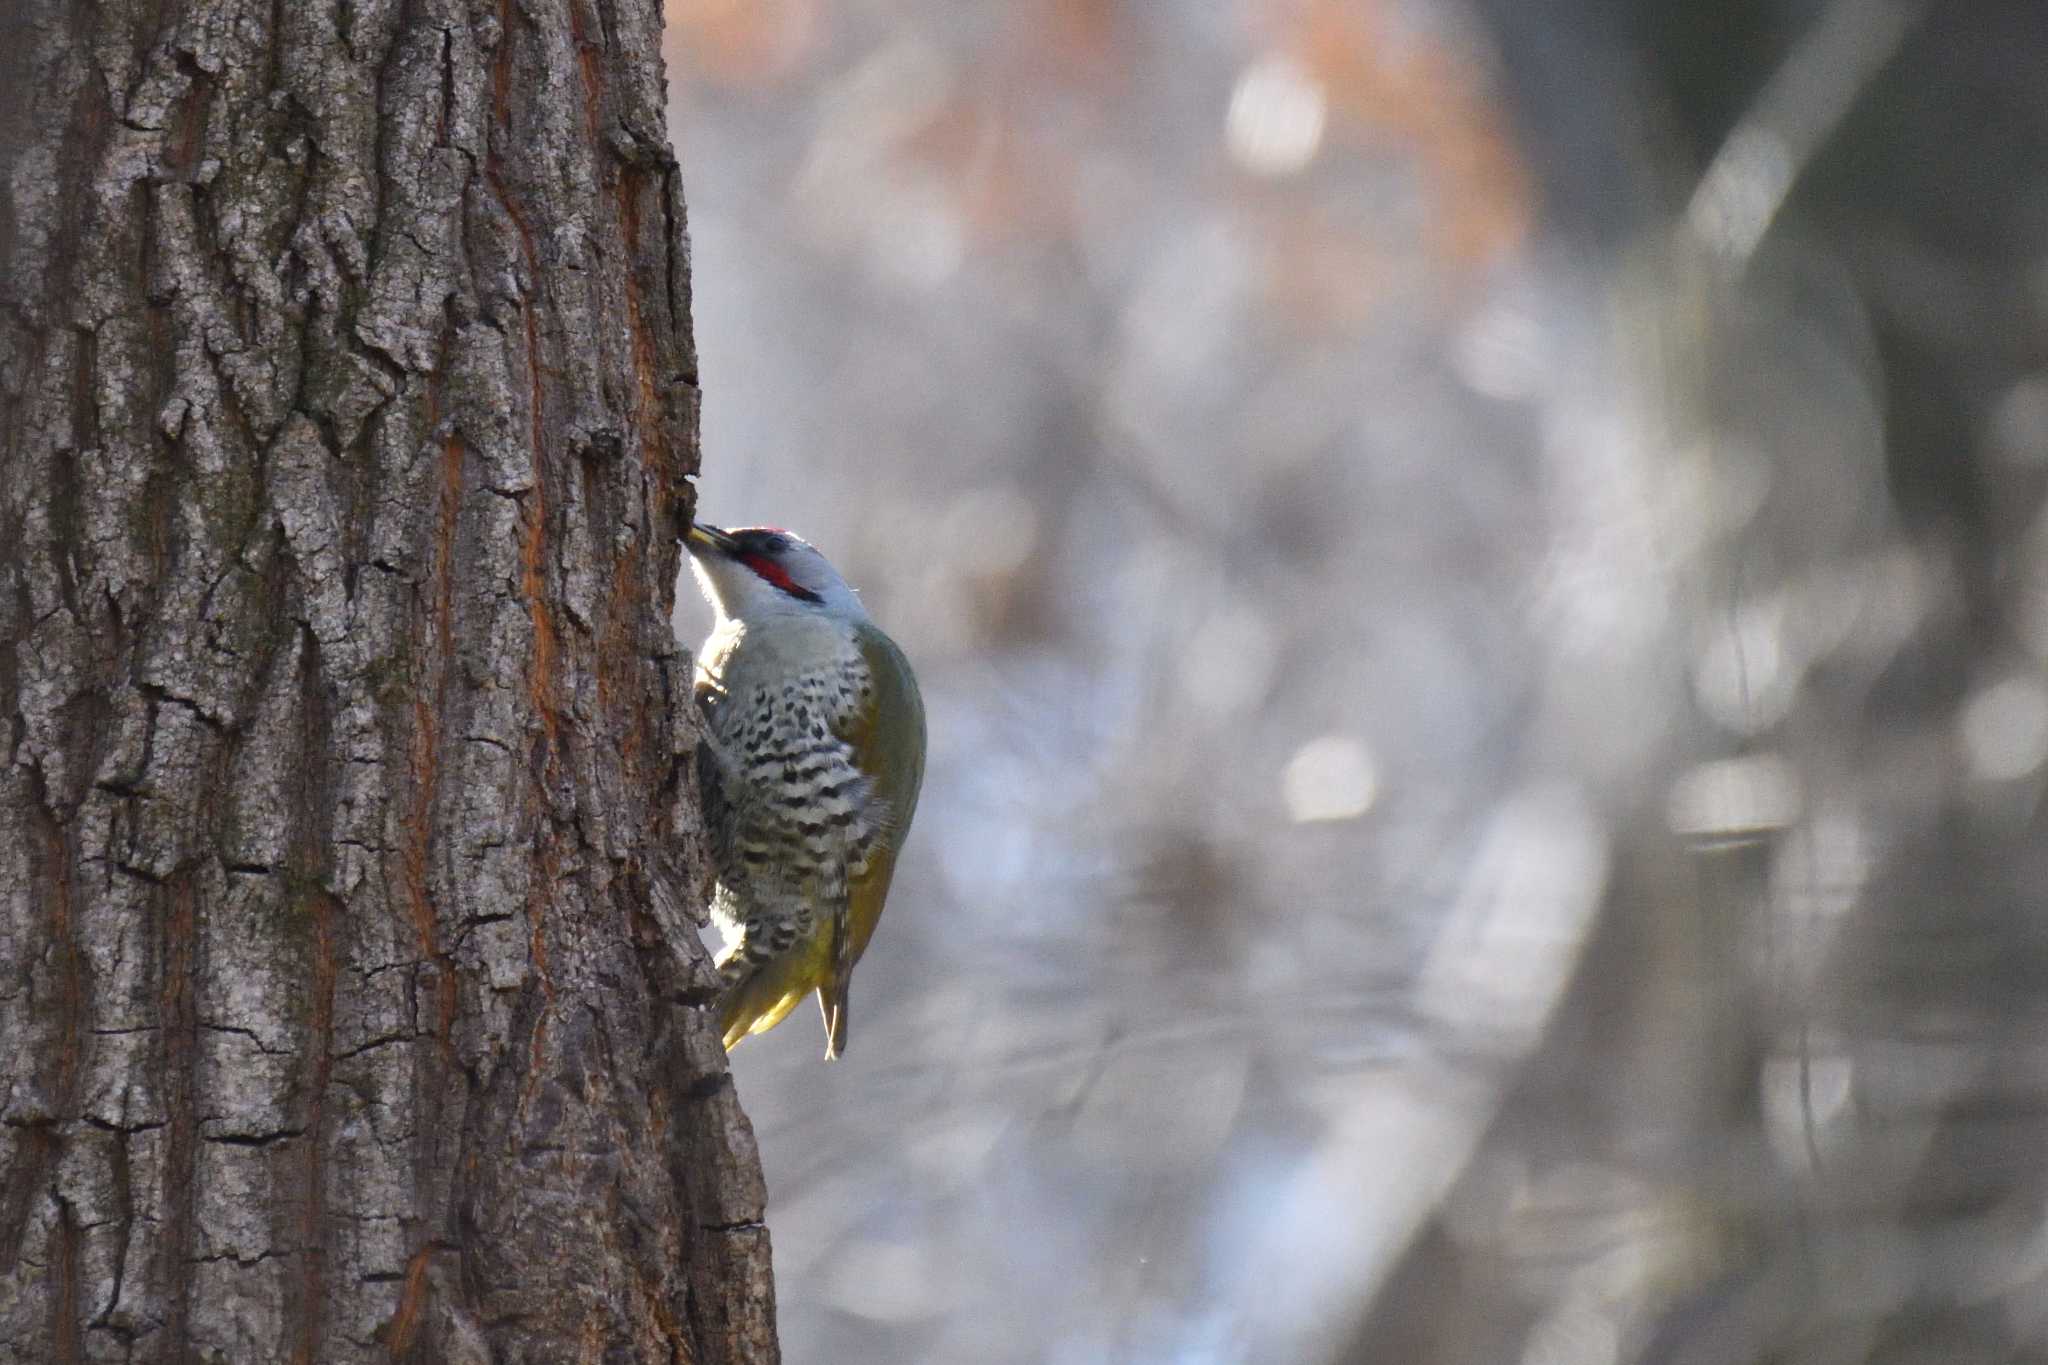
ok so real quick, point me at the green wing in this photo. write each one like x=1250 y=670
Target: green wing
x=888 y=745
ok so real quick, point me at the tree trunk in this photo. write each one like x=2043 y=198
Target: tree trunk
x=349 y=856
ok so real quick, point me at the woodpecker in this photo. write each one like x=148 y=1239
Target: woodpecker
x=816 y=752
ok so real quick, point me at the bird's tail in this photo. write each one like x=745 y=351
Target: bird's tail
x=832 y=1004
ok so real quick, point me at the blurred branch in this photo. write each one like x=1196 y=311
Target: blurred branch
x=1804 y=102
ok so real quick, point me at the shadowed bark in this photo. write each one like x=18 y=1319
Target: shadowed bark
x=349 y=851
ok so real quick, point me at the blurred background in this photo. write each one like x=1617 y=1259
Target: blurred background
x=1480 y=573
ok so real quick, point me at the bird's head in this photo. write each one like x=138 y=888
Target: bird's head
x=760 y=571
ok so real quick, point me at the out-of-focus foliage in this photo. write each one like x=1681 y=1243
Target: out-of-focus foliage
x=1481 y=577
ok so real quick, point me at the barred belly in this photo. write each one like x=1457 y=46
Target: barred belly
x=800 y=817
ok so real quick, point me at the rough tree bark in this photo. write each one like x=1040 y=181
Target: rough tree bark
x=348 y=850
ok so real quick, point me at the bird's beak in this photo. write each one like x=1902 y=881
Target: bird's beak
x=704 y=537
